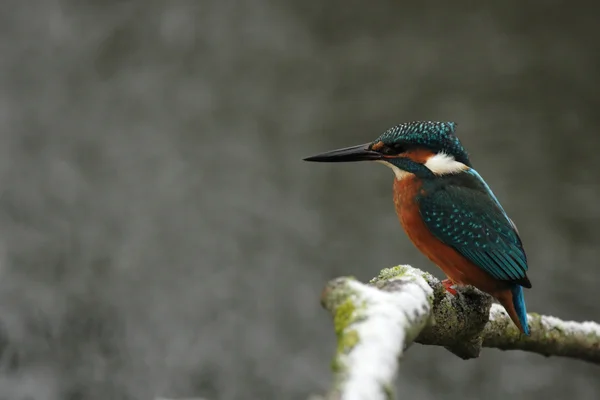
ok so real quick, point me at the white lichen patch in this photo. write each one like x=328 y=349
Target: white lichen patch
x=387 y=322
x=571 y=327
x=549 y=323
x=497 y=312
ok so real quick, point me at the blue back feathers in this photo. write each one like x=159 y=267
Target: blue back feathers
x=461 y=212
x=437 y=136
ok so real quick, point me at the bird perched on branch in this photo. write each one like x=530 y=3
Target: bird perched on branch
x=448 y=211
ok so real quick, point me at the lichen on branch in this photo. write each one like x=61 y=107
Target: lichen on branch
x=373 y=325
x=375 y=322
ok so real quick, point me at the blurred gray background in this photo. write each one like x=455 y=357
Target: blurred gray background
x=160 y=235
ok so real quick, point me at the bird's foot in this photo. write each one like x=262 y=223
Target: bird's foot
x=448 y=285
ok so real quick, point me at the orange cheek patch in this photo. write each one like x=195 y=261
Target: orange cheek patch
x=377 y=146
x=418 y=155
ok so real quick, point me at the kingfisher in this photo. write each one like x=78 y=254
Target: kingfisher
x=448 y=211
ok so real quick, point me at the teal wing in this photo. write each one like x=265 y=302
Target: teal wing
x=474 y=224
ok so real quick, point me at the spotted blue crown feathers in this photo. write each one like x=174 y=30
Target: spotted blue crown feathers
x=438 y=136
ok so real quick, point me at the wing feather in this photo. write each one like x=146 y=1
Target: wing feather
x=474 y=224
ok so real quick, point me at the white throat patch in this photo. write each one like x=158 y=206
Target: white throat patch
x=444 y=164
x=400 y=174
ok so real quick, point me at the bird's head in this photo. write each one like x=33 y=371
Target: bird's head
x=424 y=149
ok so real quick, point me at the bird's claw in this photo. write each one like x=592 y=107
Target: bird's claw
x=449 y=286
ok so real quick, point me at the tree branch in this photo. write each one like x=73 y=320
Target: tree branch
x=375 y=322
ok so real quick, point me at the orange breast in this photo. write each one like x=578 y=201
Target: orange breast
x=458 y=268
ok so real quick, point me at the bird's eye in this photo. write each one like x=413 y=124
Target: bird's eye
x=390 y=150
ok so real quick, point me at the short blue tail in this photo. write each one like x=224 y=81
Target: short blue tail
x=519 y=303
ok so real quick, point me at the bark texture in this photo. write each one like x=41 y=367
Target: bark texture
x=376 y=322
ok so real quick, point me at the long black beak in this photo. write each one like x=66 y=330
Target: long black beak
x=354 y=153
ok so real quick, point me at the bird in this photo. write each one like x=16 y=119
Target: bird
x=448 y=211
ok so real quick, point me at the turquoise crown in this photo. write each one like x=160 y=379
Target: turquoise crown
x=437 y=136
